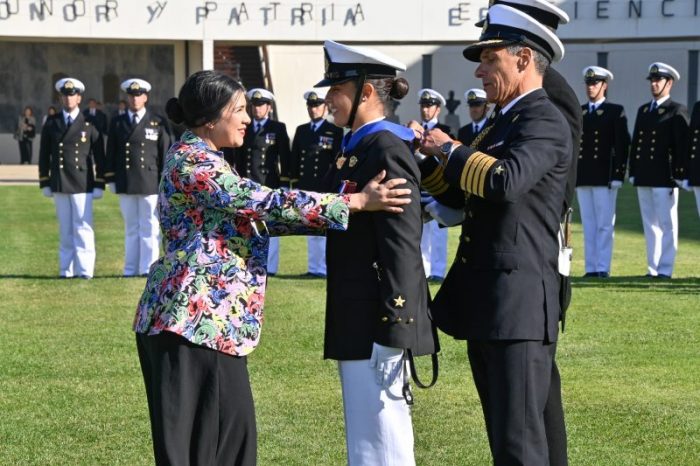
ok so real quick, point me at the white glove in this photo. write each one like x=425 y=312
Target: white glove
x=679 y=183
x=615 y=184
x=46 y=191
x=686 y=185
x=445 y=215
x=631 y=178
x=388 y=363
x=112 y=188
x=97 y=193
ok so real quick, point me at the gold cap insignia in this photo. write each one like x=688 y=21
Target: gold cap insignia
x=590 y=73
x=313 y=96
x=471 y=95
x=426 y=95
x=68 y=85
x=654 y=69
x=257 y=95
x=134 y=86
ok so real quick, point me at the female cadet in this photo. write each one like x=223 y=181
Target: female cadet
x=377 y=294
x=202 y=309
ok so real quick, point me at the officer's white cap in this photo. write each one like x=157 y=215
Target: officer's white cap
x=475 y=96
x=345 y=62
x=431 y=96
x=543 y=11
x=314 y=95
x=69 y=86
x=663 y=70
x=260 y=95
x=597 y=73
x=506 y=25
x=135 y=86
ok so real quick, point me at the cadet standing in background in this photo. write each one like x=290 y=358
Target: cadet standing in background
x=264 y=156
x=433 y=243
x=96 y=116
x=478 y=112
x=137 y=142
x=314 y=148
x=70 y=146
x=602 y=164
x=657 y=156
x=693 y=173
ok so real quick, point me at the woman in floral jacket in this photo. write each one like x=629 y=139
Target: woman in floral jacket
x=202 y=310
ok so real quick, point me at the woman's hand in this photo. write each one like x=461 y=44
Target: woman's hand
x=381 y=196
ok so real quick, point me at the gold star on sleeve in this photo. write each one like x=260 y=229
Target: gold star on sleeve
x=399 y=301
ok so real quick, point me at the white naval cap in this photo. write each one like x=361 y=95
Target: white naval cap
x=592 y=74
x=662 y=70
x=344 y=62
x=543 y=11
x=475 y=96
x=135 y=86
x=506 y=25
x=430 y=97
x=259 y=95
x=315 y=97
x=69 y=86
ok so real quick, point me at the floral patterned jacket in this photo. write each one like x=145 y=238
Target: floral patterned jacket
x=209 y=286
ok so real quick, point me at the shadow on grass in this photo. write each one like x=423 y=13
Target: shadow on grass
x=675 y=285
x=60 y=279
x=297 y=276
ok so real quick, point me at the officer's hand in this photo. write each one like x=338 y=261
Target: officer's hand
x=112 y=188
x=46 y=191
x=615 y=184
x=381 y=196
x=418 y=130
x=97 y=193
x=388 y=364
x=447 y=216
x=432 y=140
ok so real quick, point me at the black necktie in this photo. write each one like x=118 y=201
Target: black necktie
x=425 y=126
x=653 y=106
x=592 y=109
x=134 y=120
x=476 y=128
x=69 y=121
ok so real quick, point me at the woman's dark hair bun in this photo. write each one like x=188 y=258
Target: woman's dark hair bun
x=175 y=111
x=399 y=88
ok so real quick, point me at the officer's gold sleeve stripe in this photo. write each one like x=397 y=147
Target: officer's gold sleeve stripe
x=477 y=170
x=441 y=190
x=436 y=175
x=467 y=171
x=433 y=185
x=482 y=176
x=44 y=178
x=109 y=173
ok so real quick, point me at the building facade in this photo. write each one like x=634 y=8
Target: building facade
x=277 y=44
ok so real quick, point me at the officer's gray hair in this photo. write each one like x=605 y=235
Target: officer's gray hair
x=541 y=62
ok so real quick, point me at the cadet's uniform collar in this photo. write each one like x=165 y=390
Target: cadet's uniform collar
x=73 y=115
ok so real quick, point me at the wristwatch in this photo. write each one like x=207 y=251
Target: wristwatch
x=446 y=148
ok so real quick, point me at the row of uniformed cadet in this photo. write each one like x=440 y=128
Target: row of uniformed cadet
x=73 y=169
x=659 y=158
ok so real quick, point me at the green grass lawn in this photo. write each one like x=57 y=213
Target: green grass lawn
x=71 y=391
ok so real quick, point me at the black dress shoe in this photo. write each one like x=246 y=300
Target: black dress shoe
x=591 y=275
x=663 y=276
x=86 y=277
x=604 y=274
x=271 y=274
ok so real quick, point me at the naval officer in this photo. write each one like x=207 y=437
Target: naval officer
x=478 y=112
x=71 y=159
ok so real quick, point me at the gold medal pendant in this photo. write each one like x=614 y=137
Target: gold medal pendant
x=340 y=161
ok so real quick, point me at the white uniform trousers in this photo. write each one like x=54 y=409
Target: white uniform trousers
x=317 y=254
x=141 y=232
x=378 y=427
x=76 y=254
x=433 y=246
x=659 y=208
x=597 y=204
x=273 y=255
x=697 y=198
